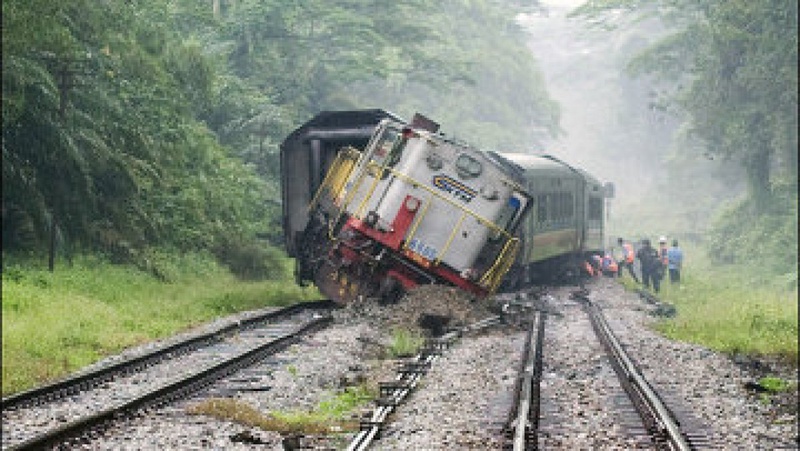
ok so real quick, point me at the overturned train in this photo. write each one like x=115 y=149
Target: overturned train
x=374 y=205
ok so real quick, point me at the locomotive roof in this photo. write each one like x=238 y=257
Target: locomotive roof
x=327 y=119
x=342 y=122
x=547 y=163
x=512 y=170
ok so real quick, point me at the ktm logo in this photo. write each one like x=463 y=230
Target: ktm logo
x=454 y=187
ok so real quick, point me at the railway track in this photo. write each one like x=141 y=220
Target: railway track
x=463 y=390
x=71 y=410
x=523 y=420
x=665 y=430
x=640 y=417
x=653 y=426
x=409 y=375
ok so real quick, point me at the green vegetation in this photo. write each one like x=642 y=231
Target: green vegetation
x=330 y=415
x=135 y=132
x=731 y=309
x=726 y=72
x=775 y=384
x=405 y=342
x=335 y=409
x=56 y=323
x=722 y=77
x=135 y=125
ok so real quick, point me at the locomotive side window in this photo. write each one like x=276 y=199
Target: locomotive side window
x=595 y=208
x=541 y=208
x=554 y=210
x=389 y=148
x=563 y=208
x=468 y=167
x=509 y=212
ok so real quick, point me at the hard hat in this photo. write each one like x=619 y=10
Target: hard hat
x=663 y=239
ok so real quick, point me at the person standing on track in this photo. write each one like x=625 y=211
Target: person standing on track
x=651 y=265
x=674 y=262
x=627 y=258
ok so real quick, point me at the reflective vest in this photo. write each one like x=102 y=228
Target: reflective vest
x=609 y=264
x=630 y=255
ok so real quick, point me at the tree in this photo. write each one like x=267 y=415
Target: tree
x=731 y=67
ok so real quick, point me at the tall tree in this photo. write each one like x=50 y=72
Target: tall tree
x=731 y=67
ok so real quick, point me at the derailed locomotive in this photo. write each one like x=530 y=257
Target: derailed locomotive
x=374 y=205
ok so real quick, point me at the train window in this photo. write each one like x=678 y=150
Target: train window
x=506 y=216
x=468 y=167
x=595 y=208
x=385 y=144
x=554 y=209
x=564 y=209
x=388 y=151
x=508 y=213
x=389 y=148
x=541 y=207
x=569 y=206
x=397 y=151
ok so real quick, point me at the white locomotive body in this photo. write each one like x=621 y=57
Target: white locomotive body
x=415 y=207
x=374 y=206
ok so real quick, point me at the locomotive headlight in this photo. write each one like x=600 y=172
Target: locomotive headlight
x=490 y=192
x=434 y=162
x=412 y=204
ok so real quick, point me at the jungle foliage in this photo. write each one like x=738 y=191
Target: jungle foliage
x=728 y=71
x=129 y=126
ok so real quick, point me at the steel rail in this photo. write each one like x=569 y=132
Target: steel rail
x=169 y=392
x=662 y=418
x=527 y=414
x=84 y=381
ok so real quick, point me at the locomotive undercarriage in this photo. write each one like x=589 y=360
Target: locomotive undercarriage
x=359 y=267
x=353 y=266
x=559 y=270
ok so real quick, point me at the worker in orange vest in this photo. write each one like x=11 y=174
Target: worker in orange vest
x=628 y=257
x=610 y=266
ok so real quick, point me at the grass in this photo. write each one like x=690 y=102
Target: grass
x=775 y=384
x=405 y=343
x=330 y=415
x=731 y=309
x=55 y=323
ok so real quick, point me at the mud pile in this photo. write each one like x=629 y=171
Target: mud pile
x=428 y=309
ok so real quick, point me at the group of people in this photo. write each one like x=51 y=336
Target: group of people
x=653 y=263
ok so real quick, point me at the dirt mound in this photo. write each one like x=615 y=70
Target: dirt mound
x=429 y=309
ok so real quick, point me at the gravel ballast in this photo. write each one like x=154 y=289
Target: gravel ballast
x=462 y=402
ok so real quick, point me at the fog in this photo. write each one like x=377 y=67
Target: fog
x=611 y=130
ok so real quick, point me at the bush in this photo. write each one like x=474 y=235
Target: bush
x=251 y=260
x=765 y=242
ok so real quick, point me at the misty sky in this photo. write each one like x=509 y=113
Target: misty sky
x=582 y=70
